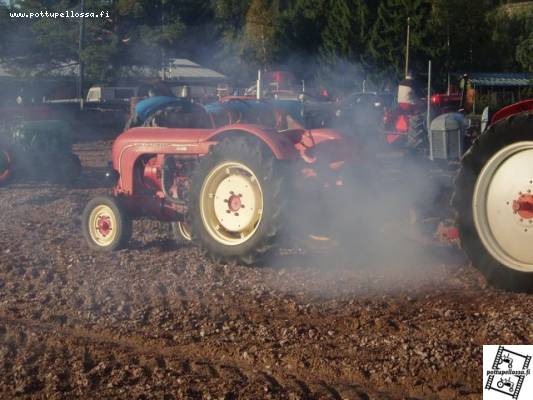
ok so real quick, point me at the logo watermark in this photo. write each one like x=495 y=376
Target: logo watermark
x=62 y=14
x=506 y=372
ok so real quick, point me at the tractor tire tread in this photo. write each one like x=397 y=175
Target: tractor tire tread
x=505 y=132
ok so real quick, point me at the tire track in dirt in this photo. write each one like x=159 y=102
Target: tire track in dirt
x=67 y=341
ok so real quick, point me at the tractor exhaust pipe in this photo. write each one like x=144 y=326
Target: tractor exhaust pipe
x=258 y=90
x=428 y=111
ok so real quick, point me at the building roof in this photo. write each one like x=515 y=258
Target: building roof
x=4 y=73
x=178 y=70
x=182 y=69
x=501 y=79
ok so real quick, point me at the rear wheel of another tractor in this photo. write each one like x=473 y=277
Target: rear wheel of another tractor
x=5 y=166
x=68 y=169
x=105 y=224
x=417 y=136
x=494 y=203
x=235 y=202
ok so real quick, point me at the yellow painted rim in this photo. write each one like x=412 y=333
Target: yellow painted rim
x=184 y=230
x=231 y=203
x=98 y=219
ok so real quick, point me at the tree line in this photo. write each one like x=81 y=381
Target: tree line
x=337 y=41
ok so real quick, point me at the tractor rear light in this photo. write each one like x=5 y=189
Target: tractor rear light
x=401 y=125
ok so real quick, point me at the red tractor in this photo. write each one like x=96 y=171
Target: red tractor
x=494 y=199
x=222 y=181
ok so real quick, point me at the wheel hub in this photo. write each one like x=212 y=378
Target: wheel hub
x=523 y=206
x=235 y=203
x=103 y=225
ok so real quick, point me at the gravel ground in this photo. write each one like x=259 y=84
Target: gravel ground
x=157 y=321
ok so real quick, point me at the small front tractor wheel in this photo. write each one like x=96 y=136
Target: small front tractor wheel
x=6 y=165
x=236 y=201
x=106 y=225
x=494 y=203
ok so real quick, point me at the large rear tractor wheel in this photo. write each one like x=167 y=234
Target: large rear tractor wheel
x=494 y=203
x=236 y=201
x=106 y=226
x=6 y=166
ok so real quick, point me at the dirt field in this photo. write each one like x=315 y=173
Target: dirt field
x=157 y=321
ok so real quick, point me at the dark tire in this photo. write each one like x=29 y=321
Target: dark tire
x=105 y=224
x=6 y=166
x=237 y=168
x=69 y=170
x=181 y=233
x=417 y=136
x=482 y=241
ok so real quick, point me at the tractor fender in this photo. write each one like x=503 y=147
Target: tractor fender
x=281 y=145
x=521 y=106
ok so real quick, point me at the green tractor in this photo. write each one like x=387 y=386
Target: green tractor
x=38 y=150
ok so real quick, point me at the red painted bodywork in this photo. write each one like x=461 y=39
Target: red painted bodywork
x=138 y=155
x=140 y=185
x=521 y=106
x=130 y=145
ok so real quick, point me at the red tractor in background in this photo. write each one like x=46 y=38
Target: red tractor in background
x=493 y=199
x=222 y=181
x=405 y=125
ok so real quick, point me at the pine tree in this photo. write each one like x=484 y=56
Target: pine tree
x=344 y=33
x=386 y=46
x=260 y=47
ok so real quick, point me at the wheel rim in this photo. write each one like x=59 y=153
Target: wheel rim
x=503 y=206
x=184 y=230
x=231 y=203
x=102 y=225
